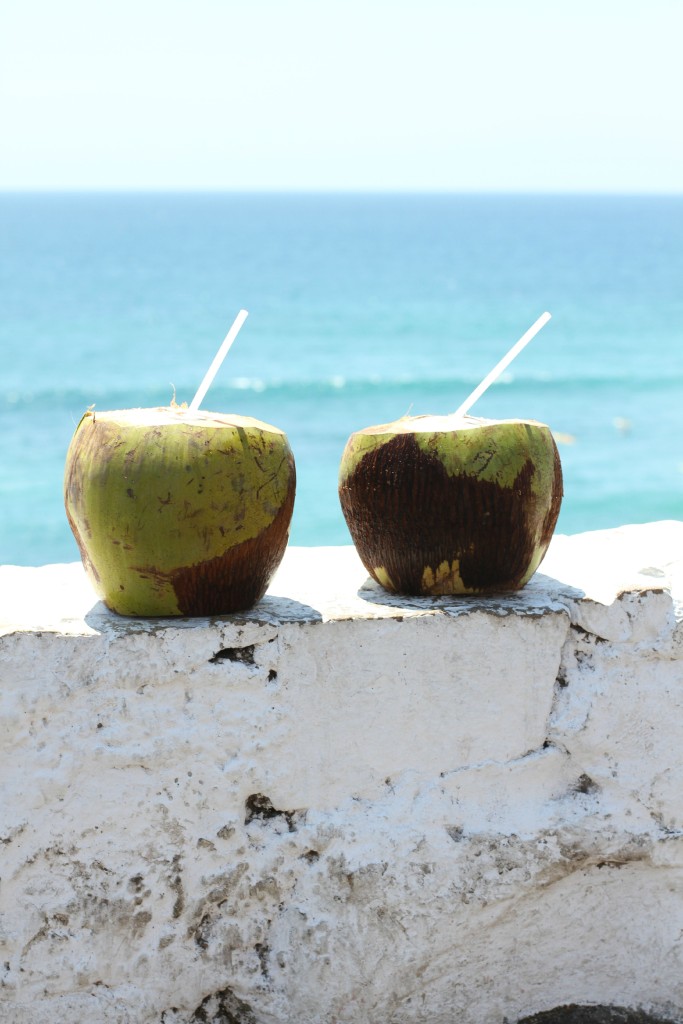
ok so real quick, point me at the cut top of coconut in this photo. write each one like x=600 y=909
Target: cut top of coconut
x=436 y=424
x=167 y=415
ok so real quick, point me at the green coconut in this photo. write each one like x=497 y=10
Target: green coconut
x=179 y=512
x=451 y=504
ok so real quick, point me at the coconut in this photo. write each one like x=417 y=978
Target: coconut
x=451 y=504
x=177 y=511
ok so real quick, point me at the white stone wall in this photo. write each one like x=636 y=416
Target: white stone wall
x=346 y=807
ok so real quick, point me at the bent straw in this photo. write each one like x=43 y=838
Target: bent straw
x=218 y=359
x=505 y=362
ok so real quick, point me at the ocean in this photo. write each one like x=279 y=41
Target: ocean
x=361 y=309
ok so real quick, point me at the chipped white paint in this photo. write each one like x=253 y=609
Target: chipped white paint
x=347 y=807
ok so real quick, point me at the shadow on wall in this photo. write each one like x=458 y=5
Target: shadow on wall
x=573 y=1014
x=535 y=594
x=271 y=608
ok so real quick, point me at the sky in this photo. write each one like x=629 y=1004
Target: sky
x=371 y=95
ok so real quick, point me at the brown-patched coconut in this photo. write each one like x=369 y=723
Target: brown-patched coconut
x=451 y=504
x=178 y=511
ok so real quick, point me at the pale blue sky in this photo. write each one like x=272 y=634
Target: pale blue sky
x=346 y=94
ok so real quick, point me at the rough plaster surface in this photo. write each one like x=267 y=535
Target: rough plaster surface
x=346 y=807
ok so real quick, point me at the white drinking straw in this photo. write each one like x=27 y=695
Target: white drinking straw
x=218 y=359
x=505 y=362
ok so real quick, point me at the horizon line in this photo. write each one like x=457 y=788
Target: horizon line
x=318 y=191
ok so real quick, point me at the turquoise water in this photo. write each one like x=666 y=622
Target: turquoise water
x=362 y=307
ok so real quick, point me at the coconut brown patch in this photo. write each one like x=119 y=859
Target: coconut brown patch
x=238 y=579
x=431 y=532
